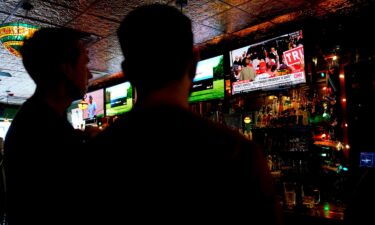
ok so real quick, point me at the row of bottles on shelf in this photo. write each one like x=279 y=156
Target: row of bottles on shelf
x=278 y=163
x=304 y=165
x=296 y=108
x=317 y=160
x=284 y=140
x=281 y=111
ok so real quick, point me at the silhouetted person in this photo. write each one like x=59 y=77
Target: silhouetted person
x=248 y=72
x=2 y=184
x=162 y=162
x=360 y=209
x=42 y=149
x=91 y=108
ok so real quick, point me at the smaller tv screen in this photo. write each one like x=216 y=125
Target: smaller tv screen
x=273 y=63
x=208 y=83
x=118 y=99
x=367 y=159
x=95 y=107
x=92 y=108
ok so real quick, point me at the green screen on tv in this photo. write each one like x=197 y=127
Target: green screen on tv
x=118 y=99
x=208 y=83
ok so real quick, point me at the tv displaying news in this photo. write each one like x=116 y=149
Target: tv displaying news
x=208 y=83
x=272 y=63
x=118 y=99
x=92 y=108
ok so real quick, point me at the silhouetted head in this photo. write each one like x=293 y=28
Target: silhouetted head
x=57 y=56
x=157 y=42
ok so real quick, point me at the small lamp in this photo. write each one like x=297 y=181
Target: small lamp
x=82 y=105
x=13 y=34
x=247 y=120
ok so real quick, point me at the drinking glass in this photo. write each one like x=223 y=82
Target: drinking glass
x=290 y=194
x=310 y=196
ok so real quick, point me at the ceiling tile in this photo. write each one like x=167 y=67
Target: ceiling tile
x=8 y=6
x=236 y=2
x=98 y=64
x=200 y=10
x=114 y=64
x=94 y=25
x=296 y=3
x=9 y=61
x=333 y=6
x=80 y=5
x=113 y=42
x=21 y=87
x=49 y=13
x=136 y=3
x=190 y=9
x=104 y=55
x=2 y=17
x=105 y=49
x=272 y=9
x=253 y=7
x=285 y=18
x=111 y=9
x=231 y=20
x=203 y=33
x=34 y=22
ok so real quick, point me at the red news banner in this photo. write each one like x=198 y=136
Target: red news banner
x=294 y=56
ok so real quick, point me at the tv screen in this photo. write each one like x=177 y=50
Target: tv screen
x=208 y=82
x=367 y=159
x=93 y=108
x=272 y=63
x=118 y=99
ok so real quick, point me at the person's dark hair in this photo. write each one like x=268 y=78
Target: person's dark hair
x=157 y=42
x=273 y=67
x=46 y=50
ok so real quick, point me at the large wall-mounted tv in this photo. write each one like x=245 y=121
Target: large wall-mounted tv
x=273 y=63
x=118 y=99
x=208 y=83
x=94 y=108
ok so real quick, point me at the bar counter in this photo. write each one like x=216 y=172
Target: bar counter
x=325 y=213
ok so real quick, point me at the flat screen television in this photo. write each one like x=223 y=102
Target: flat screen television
x=118 y=99
x=93 y=109
x=208 y=83
x=273 y=63
x=367 y=159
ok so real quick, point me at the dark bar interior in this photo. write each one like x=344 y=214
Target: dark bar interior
x=309 y=106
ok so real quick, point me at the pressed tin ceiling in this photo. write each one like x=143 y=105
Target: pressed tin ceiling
x=213 y=21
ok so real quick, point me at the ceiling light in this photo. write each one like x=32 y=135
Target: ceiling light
x=247 y=120
x=13 y=34
x=83 y=105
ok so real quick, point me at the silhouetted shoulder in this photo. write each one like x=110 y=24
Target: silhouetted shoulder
x=360 y=209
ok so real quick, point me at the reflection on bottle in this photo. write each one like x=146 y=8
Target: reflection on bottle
x=269 y=162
